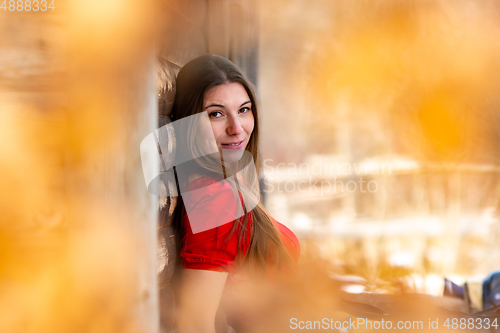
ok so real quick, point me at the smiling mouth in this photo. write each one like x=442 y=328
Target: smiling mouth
x=235 y=145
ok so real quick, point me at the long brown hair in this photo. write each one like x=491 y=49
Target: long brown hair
x=193 y=80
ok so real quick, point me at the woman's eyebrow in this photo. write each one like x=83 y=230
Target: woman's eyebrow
x=222 y=106
x=213 y=104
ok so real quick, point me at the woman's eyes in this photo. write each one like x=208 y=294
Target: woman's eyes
x=218 y=114
x=215 y=114
x=244 y=110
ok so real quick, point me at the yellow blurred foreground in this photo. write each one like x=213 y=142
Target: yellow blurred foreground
x=77 y=228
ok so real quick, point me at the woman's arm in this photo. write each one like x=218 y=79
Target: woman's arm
x=200 y=295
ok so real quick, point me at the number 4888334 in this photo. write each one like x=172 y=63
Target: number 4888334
x=27 y=5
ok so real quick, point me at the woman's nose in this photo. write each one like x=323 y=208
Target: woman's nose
x=234 y=126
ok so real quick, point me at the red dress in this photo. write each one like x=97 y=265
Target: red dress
x=212 y=249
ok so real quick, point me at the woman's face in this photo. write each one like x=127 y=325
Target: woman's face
x=230 y=112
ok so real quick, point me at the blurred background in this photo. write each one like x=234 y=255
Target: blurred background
x=380 y=133
x=400 y=95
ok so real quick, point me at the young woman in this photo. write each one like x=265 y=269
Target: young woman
x=216 y=248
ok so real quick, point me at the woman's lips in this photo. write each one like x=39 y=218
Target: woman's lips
x=234 y=145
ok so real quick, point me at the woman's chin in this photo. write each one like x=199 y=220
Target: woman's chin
x=232 y=155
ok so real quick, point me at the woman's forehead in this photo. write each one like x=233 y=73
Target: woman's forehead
x=226 y=94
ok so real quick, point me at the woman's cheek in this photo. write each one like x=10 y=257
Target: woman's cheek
x=216 y=132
